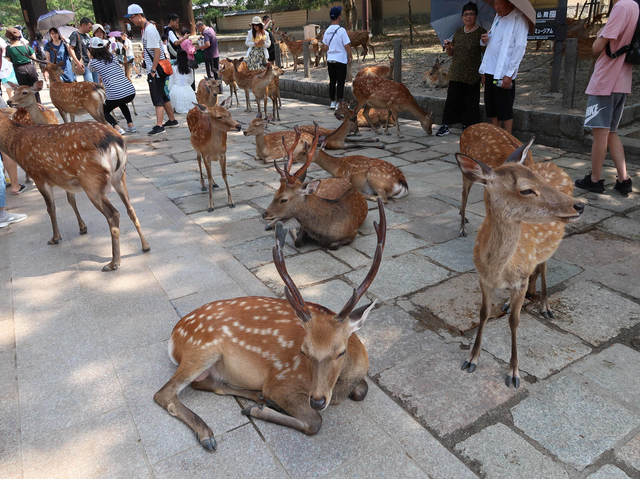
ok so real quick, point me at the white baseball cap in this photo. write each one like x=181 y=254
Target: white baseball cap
x=134 y=9
x=97 y=42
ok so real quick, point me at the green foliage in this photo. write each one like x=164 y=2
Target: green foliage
x=205 y=13
x=278 y=5
x=83 y=8
x=10 y=13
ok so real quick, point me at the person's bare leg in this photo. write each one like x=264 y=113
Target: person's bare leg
x=508 y=125
x=495 y=121
x=12 y=170
x=159 y=115
x=169 y=109
x=616 y=150
x=599 y=151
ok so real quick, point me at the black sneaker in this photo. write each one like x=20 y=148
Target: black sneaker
x=623 y=186
x=170 y=123
x=157 y=130
x=586 y=184
x=444 y=130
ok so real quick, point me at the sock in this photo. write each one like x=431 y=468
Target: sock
x=3 y=215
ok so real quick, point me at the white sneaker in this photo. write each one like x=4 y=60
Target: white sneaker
x=334 y=105
x=12 y=218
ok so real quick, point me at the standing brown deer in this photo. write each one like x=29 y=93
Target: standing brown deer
x=362 y=38
x=226 y=75
x=255 y=348
x=207 y=92
x=75 y=98
x=208 y=127
x=372 y=92
x=492 y=146
x=378 y=71
x=29 y=110
x=264 y=86
x=294 y=47
x=269 y=147
x=329 y=211
x=244 y=78
x=284 y=53
x=527 y=209
x=88 y=156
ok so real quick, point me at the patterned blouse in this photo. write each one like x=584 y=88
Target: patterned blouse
x=467 y=56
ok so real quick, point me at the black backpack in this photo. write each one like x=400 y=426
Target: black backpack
x=632 y=50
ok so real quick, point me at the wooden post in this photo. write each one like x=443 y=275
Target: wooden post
x=365 y=14
x=278 y=55
x=397 y=60
x=556 y=66
x=570 y=68
x=307 y=59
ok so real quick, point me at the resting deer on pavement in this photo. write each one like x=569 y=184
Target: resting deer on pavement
x=370 y=176
x=378 y=71
x=76 y=98
x=291 y=357
x=329 y=211
x=372 y=92
x=269 y=147
x=437 y=77
x=87 y=156
x=264 y=87
x=527 y=209
x=29 y=110
x=207 y=92
x=492 y=146
x=208 y=127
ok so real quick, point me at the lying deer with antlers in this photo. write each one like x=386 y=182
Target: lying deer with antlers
x=30 y=112
x=269 y=147
x=266 y=85
x=492 y=146
x=329 y=211
x=372 y=92
x=527 y=209
x=78 y=98
x=89 y=157
x=207 y=92
x=254 y=348
x=208 y=127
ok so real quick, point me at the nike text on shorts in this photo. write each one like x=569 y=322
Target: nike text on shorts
x=605 y=111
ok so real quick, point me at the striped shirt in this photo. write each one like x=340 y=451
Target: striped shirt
x=150 y=40
x=111 y=74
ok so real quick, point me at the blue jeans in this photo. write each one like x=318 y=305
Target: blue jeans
x=91 y=76
x=3 y=186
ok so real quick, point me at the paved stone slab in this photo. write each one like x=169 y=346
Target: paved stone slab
x=10 y=454
x=503 y=454
x=258 y=252
x=455 y=192
x=391 y=336
x=419 y=385
x=419 y=207
x=186 y=304
x=421 y=155
x=400 y=276
x=139 y=161
x=442 y=227
x=627 y=227
x=197 y=201
x=351 y=256
x=593 y=313
x=240 y=453
x=630 y=453
x=557 y=272
x=573 y=422
x=456 y=254
x=223 y=214
x=231 y=234
x=612 y=369
x=457 y=301
x=398 y=242
x=404 y=146
x=611 y=200
x=332 y=294
x=592 y=215
x=608 y=472
x=574 y=163
x=305 y=269
x=393 y=219
x=541 y=350
x=394 y=463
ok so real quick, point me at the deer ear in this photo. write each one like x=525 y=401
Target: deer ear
x=269 y=118
x=200 y=107
x=520 y=155
x=38 y=85
x=13 y=86
x=9 y=111
x=474 y=170
x=359 y=316
x=310 y=188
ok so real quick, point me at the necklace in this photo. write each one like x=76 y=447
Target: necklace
x=475 y=27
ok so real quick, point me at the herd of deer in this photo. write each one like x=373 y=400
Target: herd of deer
x=290 y=357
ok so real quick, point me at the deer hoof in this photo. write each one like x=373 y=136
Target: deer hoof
x=209 y=444
x=463 y=234
x=210 y=209
x=547 y=314
x=514 y=380
x=268 y=227
x=203 y=188
x=232 y=205
x=53 y=241
x=471 y=367
x=83 y=230
x=506 y=307
x=110 y=267
x=215 y=185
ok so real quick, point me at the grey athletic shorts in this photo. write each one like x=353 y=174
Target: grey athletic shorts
x=605 y=111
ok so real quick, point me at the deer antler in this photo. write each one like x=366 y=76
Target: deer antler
x=291 y=290
x=287 y=168
x=309 y=152
x=381 y=231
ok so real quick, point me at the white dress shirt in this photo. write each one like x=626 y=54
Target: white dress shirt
x=506 y=46
x=249 y=42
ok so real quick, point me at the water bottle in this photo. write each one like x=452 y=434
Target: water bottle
x=498 y=83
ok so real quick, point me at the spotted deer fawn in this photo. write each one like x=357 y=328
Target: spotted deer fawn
x=492 y=146
x=208 y=127
x=291 y=357
x=362 y=38
x=527 y=209
x=378 y=71
x=265 y=86
x=207 y=92
x=77 y=98
x=329 y=211
x=373 y=92
x=269 y=147
x=88 y=156
x=437 y=77
x=30 y=112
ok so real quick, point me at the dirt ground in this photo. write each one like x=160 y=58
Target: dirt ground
x=533 y=82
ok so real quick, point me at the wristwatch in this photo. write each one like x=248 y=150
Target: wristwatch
x=153 y=71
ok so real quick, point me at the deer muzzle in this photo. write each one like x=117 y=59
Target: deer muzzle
x=318 y=403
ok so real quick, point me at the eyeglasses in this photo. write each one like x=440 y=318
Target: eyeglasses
x=468 y=14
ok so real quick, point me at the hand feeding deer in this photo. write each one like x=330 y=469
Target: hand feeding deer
x=87 y=156
x=373 y=92
x=269 y=147
x=291 y=357
x=208 y=127
x=329 y=211
x=527 y=209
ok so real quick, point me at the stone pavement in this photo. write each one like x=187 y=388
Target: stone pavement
x=82 y=352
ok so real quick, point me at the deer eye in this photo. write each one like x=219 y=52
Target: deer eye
x=527 y=192
x=341 y=354
x=284 y=200
x=302 y=352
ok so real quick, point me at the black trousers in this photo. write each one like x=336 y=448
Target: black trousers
x=213 y=64
x=337 y=75
x=463 y=104
x=27 y=75
x=498 y=102
x=111 y=105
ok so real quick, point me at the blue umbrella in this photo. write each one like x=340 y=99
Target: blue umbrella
x=55 y=19
x=446 y=16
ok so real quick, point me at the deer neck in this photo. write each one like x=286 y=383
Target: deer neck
x=340 y=133
x=327 y=162
x=260 y=143
x=497 y=241
x=36 y=115
x=55 y=76
x=412 y=107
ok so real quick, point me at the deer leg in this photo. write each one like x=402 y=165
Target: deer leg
x=63 y=114
x=46 y=191
x=517 y=298
x=533 y=280
x=366 y=117
x=466 y=187
x=199 y=158
x=133 y=105
x=386 y=126
x=105 y=207
x=395 y=115
x=72 y=118
x=485 y=310
x=544 y=298
x=303 y=417
x=235 y=91
x=121 y=188
x=223 y=389
x=207 y=165
x=248 y=99
x=71 y=198
x=298 y=238
x=223 y=169
x=259 y=109
x=167 y=397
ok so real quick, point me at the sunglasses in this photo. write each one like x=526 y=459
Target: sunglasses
x=469 y=14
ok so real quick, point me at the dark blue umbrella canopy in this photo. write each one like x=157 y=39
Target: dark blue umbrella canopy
x=446 y=16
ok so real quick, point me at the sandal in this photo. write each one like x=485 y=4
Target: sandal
x=22 y=189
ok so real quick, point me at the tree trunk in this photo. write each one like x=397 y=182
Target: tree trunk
x=350 y=14
x=376 y=17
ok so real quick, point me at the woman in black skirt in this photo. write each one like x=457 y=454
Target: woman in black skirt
x=21 y=56
x=463 y=97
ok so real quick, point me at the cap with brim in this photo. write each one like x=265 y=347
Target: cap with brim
x=97 y=42
x=134 y=9
x=97 y=26
x=335 y=12
x=256 y=21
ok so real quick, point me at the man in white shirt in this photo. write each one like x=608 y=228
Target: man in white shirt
x=337 y=44
x=506 y=43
